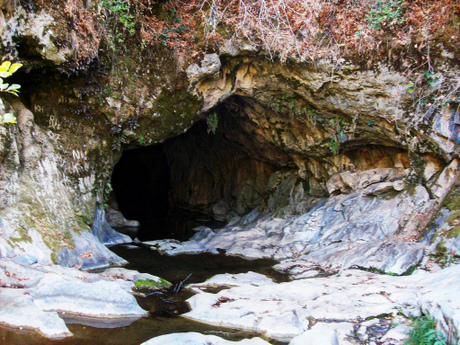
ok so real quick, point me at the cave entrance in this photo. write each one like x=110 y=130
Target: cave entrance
x=172 y=187
x=201 y=177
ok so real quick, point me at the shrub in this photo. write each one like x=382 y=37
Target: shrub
x=425 y=333
x=6 y=70
x=385 y=13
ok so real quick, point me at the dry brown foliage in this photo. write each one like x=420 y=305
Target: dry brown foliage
x=304 y=30
x=312 y=29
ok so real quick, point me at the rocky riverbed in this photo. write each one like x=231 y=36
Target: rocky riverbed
x=348 y=306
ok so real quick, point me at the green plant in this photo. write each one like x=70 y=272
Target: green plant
x=107 y=190
x=410 y=88
x=334 y=146
x=442 y=256
x=212 y=122
x=311 y=115
x=151 y=283
x=431 y=77
x=425 y=333
x=6 y=70
x=121 y=10
x=355 y=123
x=385 y=13
x=119 y=139
x=141 y=139
x=432 y=94
x=336 y=131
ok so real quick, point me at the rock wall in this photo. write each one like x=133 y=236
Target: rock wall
x=289 y=135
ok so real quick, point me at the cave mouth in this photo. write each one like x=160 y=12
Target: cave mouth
x=210 y=176
x=175 y=186
x=204 y=176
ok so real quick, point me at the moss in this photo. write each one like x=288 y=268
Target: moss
x=225 y=31
x=83 y=220
x=54 y=258
x=380 y=316
x=176 y=109
x=410 y=270
x=378 y=270
x=145 y=283
x=23 y=236
x=56 y=231
x=441 y=249
x=453 y=233
x=452 y=202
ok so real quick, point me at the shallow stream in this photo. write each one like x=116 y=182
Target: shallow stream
x=175 y=269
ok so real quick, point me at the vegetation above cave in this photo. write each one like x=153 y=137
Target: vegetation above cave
x=407 y=33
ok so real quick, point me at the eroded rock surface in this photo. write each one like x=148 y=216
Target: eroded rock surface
x=38 y=297
x=334 y=304
x=353 y=229
x=192 y=338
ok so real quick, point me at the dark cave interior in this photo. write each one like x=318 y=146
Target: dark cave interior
x=196 y=178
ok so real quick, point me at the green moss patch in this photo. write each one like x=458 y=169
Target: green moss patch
x=452 y=202
x=148 y=283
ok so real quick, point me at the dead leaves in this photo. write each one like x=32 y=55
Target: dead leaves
x=221 y=300
x=86 y=255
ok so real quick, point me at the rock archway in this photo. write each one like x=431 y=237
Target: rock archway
x=207 y=177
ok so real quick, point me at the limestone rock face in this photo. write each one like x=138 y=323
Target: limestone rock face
x=330 y=147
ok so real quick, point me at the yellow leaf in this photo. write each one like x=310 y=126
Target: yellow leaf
x=14 y=67
x=5 y=66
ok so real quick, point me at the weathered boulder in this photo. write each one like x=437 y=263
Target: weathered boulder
x=116 y=219
x=32 y=296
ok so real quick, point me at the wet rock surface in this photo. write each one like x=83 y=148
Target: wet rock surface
x=342 y=231
x=36 y=297
x=349 y=306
